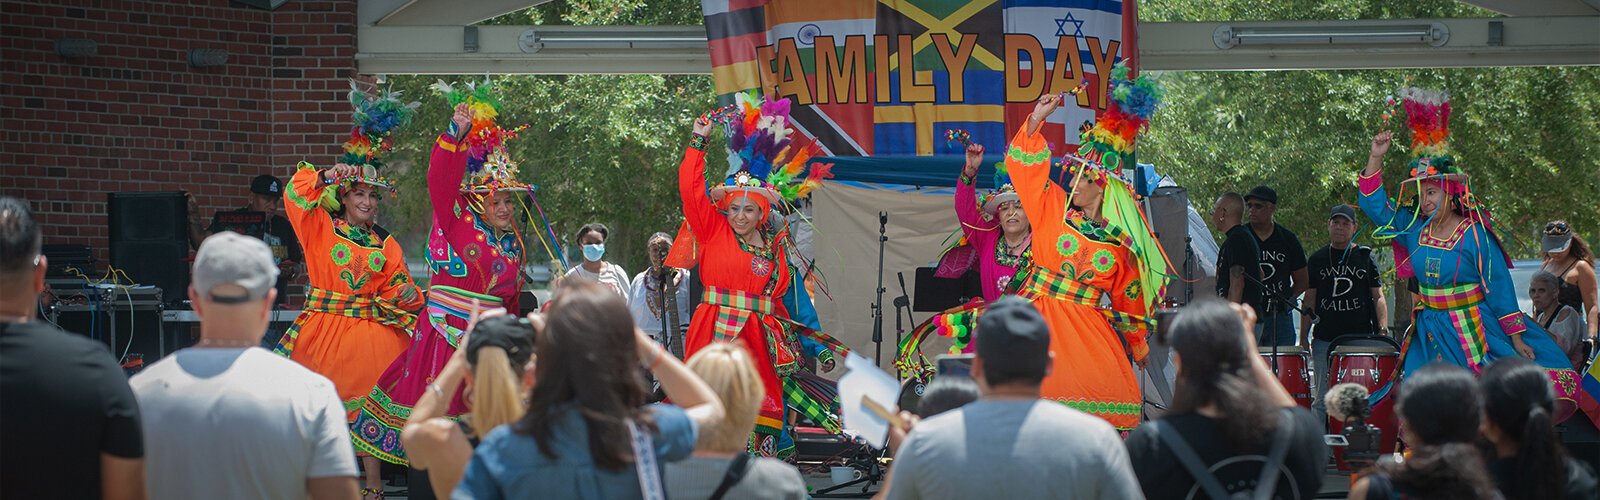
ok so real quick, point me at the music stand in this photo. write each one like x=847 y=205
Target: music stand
x=935 y=294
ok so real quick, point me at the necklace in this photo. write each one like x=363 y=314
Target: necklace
x=1003 y=256
x=225 y=343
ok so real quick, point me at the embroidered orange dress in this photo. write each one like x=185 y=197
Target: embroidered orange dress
x=361 y=304
x=1079 y=270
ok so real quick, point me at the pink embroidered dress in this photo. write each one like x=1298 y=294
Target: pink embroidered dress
x=996 y=267
x=467 y=260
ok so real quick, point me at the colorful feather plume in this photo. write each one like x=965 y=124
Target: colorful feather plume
x=763 y=149
x=1428 y=116
x=487 y=134
x=376 y=117
x=1112 y=137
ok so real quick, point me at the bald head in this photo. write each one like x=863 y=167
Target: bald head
x=1228 y=211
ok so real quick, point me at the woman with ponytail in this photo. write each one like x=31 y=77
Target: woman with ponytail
x=1528 y=460
x=1440 y=408
x=1228 y=409
x=495 y=367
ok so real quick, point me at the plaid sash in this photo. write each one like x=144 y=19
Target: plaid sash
x=1447 y=298
x=734 y=309
x=1046 y=284
x=383 y=311
x=447 y=301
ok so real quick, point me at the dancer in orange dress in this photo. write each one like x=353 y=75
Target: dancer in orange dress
x=752 y=282
x=1091 y=246
x=361 y=304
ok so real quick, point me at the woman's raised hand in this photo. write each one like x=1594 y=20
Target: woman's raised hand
x=702 y=126
x=462 y=118
x=974 y=159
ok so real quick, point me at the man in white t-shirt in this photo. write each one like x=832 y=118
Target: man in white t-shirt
x=592 y=237
x=226 y=419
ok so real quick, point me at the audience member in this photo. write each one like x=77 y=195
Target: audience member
x=1346 y=296
x=228 y=419
x=1563 y=322
x=261 y=218
x=69 y=425
x=1238 y=259
x=1568 y=257
x=1529 y=461
x=495 y=366
x=721 y=466
x=1010 y=443
x=1230 y=414
x=1283 y=267
x=592 y=238
x=649 y=303
x=1440 y=408
x=947 y=393
x=587 y=432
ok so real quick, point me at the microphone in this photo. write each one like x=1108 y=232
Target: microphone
x=1346 y=401
x=883 y=217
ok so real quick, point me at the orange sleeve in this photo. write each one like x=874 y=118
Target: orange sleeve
x=303 y=204
x=1028 y=163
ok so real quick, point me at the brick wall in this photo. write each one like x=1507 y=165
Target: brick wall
x=137 y=117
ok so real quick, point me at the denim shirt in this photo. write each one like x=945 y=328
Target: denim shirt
x=509 y=464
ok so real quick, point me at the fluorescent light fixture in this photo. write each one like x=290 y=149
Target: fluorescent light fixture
x=533 y=40
x=1434 y=34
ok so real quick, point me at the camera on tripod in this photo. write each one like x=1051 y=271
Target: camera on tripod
x=1360 y=440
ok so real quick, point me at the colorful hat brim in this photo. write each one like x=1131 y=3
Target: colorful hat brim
x=718 y=192
x=486 y=189
x=992 y=205
x=1457 y=177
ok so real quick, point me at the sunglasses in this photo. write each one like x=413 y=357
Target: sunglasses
x=1557 y=228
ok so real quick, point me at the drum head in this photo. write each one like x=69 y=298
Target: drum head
x=1283 y=350
x=1365 y=349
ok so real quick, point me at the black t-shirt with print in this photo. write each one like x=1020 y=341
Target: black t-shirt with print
x=1239 y=249
x=1281 y=256
x=1344 y=280
x=66 y=402
x=1161 y=475
x=272 y=229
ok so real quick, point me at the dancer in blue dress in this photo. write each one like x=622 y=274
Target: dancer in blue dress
x=1468 y=314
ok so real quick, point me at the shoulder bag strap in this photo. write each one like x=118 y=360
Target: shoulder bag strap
x=1191 y=462
x=644 y=454
x=1267 y=484
x=736 y=472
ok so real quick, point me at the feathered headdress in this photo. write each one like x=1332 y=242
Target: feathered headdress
x=489 y=166
x=376 y=117
x=1428 y=116
x=1110 y=139
x=765 y=156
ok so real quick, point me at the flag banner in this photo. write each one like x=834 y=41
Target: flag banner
x=889 y=77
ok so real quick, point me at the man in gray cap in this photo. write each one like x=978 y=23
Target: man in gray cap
x=1345 y=298
x=227 y=419
x=974 y=451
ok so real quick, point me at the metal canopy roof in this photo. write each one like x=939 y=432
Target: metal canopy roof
x=437 y=37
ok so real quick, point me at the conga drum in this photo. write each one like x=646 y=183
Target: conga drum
x=1370 y=367
x=1292 y=365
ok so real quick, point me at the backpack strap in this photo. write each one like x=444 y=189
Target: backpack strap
x=736 y=472
x=1267 y=483
x=1191 y=462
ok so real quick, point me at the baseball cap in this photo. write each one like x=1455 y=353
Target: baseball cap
x=229 y=258
x=1342 y=210
x=1264 y=193
x=1012 y=333
x=266 y=184
x=512 y=333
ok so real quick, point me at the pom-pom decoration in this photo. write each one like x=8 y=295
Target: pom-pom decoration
x=487 y=134
x=1347 y=401
x=959 y=137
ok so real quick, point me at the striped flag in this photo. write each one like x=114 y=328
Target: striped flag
x=891 y=76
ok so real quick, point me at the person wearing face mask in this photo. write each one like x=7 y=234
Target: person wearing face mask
x=361 y=304
x=1469 y=313
x=755 y=294
x=592 y=238
x=475 y=256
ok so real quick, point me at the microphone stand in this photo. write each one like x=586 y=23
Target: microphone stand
x=877 y=305
x=1286 y=303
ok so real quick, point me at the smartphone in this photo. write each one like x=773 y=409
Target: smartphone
x=1335 y=441
x=954 y=364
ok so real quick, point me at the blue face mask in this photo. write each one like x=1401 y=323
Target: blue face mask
x=593 y=253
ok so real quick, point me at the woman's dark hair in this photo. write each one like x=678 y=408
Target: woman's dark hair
x=1517 y=398
x=1440 y=406
x=605 y=233
x=945 y=394
x=589 y=363
x=1216 y=360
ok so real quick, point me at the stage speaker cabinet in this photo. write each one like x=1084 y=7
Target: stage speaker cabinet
x=149 y=239
x=1168 y=210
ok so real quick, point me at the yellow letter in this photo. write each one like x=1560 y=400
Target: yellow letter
x=1102 y=68
x=838 y=79
x=955 y=63
x=1016 y=91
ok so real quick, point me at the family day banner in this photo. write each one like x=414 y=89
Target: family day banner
x=889 y=77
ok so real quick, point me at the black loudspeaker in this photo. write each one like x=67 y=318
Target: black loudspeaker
x=1168 y=210
x=149 y=239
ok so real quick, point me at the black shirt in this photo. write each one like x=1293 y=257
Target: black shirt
x=1344 y=280
x=1239 y=249
x=274 y=230
x=65 y=402
x=1281 y=256
x=1580 y=478
x=1161 y=475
